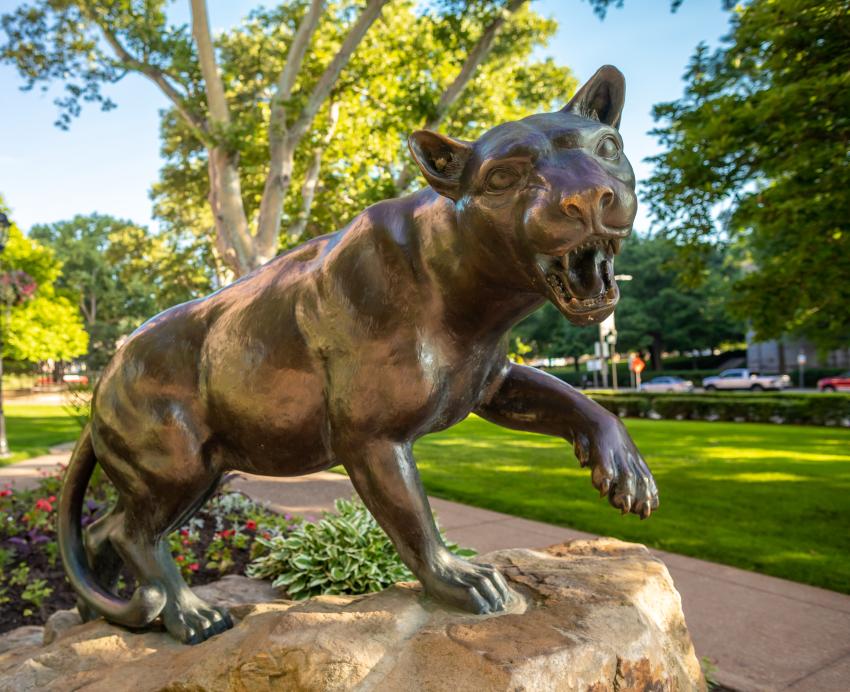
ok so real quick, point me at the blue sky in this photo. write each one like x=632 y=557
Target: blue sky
x=107 y=162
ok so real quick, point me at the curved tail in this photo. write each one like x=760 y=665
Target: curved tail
x=147 y=601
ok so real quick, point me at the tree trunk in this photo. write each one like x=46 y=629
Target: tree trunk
x=655 y=349
x=231 y=226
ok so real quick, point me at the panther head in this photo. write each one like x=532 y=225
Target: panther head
x=547 y=199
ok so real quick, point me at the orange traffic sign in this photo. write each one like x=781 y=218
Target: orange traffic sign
x=638 y=365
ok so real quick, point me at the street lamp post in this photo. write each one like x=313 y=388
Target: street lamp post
x=4 y=445
x=611 y=338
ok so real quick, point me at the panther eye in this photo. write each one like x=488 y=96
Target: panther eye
x=501 y=179
x=608 y=148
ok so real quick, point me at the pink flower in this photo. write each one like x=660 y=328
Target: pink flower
x=52 y=498
x=194 y=566
x=5 y=493
x=43 y=505
x=185 y=541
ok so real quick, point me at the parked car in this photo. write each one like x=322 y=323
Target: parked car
x=75 y=378
x=667 y=383
x=741 y=378
x=839 y=383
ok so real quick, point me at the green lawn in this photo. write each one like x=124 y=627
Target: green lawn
x=33 y=429
x=769 y=498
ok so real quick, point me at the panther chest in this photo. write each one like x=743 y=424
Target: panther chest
x=423 y=386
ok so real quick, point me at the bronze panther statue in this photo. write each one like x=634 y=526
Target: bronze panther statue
x=348 y=348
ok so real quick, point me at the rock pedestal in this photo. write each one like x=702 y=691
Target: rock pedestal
x=589 y=615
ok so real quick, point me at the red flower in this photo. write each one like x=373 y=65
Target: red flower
x=52 y=498
x=250 y=524
x=184 y=532
x=186 y=541
x=194 y=566
x=180 y=558
x=5 y=493
x=43 y=505
x=266 y=535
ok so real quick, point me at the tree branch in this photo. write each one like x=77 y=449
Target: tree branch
x=300 y=43
x=311 y=180
x=156 y=75
x=323 y=87
x=216 y=101
x=474 y=59
x=283 y=142
x=479 y=53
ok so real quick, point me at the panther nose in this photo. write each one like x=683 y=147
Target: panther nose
x=587 y=204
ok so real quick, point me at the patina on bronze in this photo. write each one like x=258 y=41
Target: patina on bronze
x=348 y=348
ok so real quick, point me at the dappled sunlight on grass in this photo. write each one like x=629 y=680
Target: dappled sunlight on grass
x=765 y=477
x=738 y=454
x=771 y=498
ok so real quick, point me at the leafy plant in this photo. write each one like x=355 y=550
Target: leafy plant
x=346 y=552
x=36 y=592
x=19 y=575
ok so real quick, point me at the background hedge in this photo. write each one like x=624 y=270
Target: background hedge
x=570 y=376
x=801 y=409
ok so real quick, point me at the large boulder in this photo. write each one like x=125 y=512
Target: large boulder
x=588 y=615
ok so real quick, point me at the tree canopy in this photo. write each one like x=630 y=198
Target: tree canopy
x=551 y=335
x=46 y=325
x=756 y=156
x=361 y=132
x=118 y=275
x=259 y=106
x=658 y=312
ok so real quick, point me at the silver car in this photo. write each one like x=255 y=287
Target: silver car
x=667 y=383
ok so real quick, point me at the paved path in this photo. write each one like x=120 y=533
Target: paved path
x=762 y=633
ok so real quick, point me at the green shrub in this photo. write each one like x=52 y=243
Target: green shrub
x=342 y=553
x=624 y=405
x=802 y=409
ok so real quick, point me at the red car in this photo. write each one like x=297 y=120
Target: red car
x=839 y=383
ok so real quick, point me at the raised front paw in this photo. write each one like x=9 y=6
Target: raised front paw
x=618 y=470
x=467 y=585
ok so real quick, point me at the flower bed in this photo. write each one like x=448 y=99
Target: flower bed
x=342 y=553
x=220 y=539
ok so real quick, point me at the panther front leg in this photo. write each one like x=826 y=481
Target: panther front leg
x=385 y=476
x=528 y=399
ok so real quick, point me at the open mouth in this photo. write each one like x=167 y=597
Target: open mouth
x=581 y=282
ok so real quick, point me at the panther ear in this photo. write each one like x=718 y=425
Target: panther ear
x=602 y=97
x=441 y=159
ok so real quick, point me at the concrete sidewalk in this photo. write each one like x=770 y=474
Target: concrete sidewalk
x=762 y=633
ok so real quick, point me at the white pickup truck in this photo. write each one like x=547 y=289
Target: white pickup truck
x=741 y=378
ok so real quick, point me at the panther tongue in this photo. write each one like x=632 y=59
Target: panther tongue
x=584 y=272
